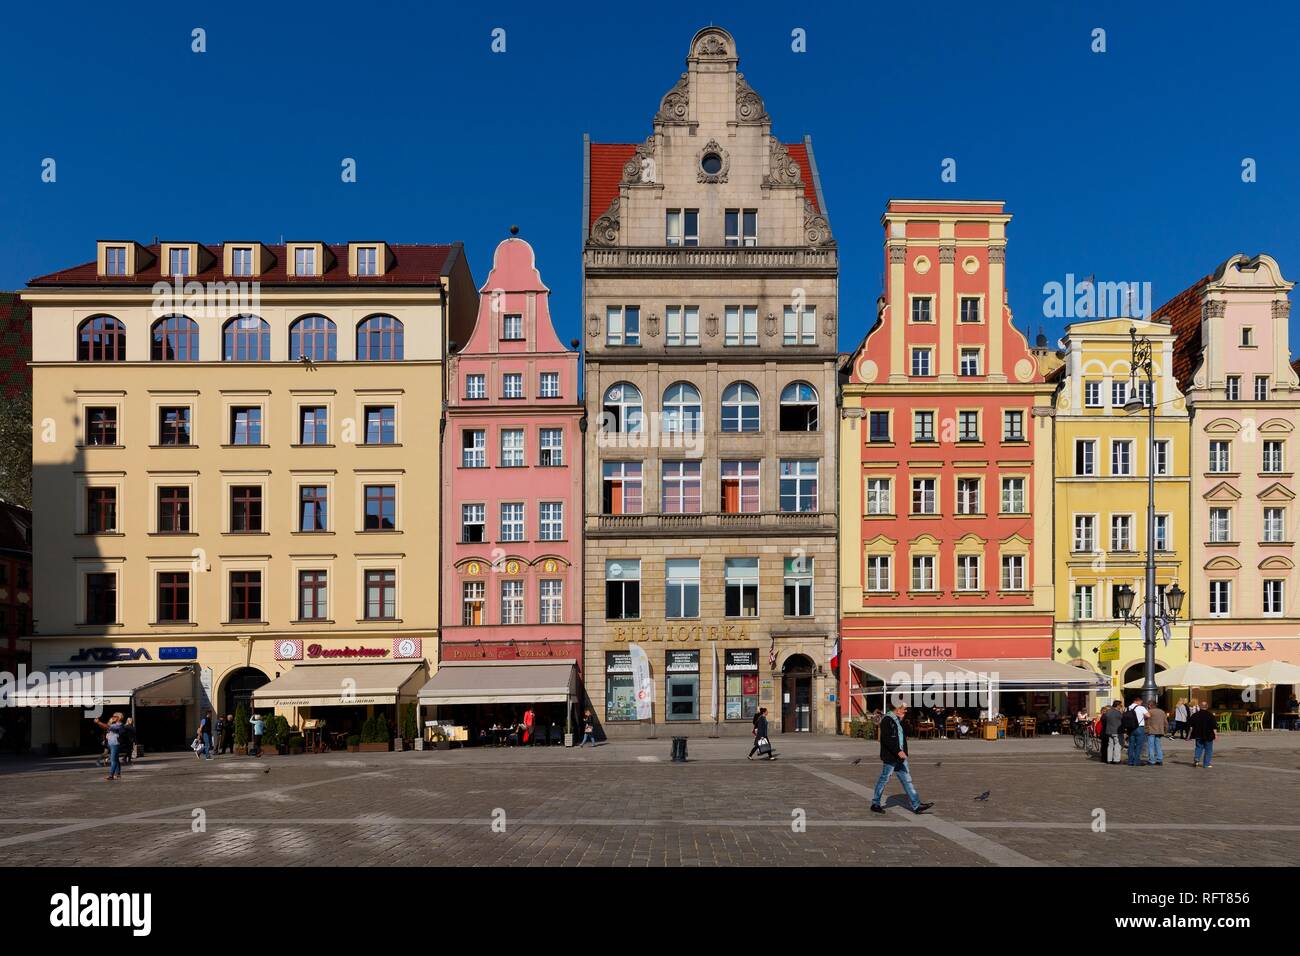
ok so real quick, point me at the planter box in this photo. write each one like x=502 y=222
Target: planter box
x=353 y=748
x=379 y=748
x=442 y=745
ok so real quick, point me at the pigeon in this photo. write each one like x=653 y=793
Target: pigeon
x=984 y=796
x=858 y=761
x=938 y=763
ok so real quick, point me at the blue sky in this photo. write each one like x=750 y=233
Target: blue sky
x=1125 y=164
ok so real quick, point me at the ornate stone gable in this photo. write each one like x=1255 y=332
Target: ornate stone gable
x=749 y=105
x=782 y=170
x=674 y=106
x=640 y=168
x=604 y=232
x=816 y=230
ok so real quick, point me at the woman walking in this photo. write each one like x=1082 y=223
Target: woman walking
x=1180 y=720
x=112 y=737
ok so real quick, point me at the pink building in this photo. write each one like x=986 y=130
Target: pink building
x=511 y=529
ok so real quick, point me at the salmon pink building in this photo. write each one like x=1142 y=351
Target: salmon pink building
x=945 y=474
x=511 y=527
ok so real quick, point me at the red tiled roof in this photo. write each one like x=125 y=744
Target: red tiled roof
x=15 y=345
x=1183 y=315
x=606 y=173
x=413 y=264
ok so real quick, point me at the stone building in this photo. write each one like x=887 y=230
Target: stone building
x=710 y=282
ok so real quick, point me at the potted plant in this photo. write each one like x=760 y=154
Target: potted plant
x=270 y=736
x=242 y=727
x=282 y=734
x=409 y=731
x=297 y=744
x=374 y=735
x=354 y=743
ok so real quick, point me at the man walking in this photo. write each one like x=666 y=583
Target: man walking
x=258 y=728
x=205 y=735
x=1111 y=719
x=219 y=734
x=1135 y=719
x=1203 y=729
x=1156 y=728
x=893 y=754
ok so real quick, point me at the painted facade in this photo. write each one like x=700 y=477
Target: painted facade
x=945 y=469
x=1102 y=457
x=512 y=528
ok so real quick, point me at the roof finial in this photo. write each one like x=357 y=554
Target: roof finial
x=514 y=230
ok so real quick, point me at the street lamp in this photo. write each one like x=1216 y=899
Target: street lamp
x=1155 y=614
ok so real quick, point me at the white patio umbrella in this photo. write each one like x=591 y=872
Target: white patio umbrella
x=1194 y=674
x=1270 y=674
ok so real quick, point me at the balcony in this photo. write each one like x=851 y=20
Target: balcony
x=764 y=522
x=692 y=260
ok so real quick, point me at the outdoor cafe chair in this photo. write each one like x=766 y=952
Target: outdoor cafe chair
x=1028 y=727
x=1255 y=720
x=1225 y=720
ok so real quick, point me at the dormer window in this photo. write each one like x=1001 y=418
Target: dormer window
x=178 y=262
x=304 y=261
x=115 y=261
x=241 y=261
x=367 y=261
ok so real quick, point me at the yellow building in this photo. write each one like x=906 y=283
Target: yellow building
x=1102 y=458
x=236 y=478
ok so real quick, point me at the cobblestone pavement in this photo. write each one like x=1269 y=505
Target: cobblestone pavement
x=626 y=804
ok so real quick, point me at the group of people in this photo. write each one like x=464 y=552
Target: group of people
x=1142 y=727
x=217 y=734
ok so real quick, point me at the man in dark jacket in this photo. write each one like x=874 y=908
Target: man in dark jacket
x=1111 y=719
x=1203 y=729
x=893 y=754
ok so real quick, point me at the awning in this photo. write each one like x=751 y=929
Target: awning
x=112 y=686
x=502 y=682
x=326 y=685
x=1006 y=674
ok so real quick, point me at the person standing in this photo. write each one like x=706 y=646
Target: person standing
x=113 y=740
x=1180 y=719
x=1203 y=729
x=1112 y=719
x=588 y=729
x=259 y=727
x=529 y=719
x=1156 y=727
x=1134 y=725
x=126 y=742
x=219 y=733
x=893 y=754
x=205 y=735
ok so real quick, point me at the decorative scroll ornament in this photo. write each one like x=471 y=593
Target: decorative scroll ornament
x=997 y=253
x=605 y=230
x=828 y=326
x=593 y=325
x=715 y=148
x=711 y=324
x=947 y=254
x=816 y=230
x=1214 y=309
x=640 y=168
x=673 y=107
x=897 y=254
x=782 y=171
x=1281 y=309
x=749 y=105
x=769 y=322
x=712 y=45
x=652 y=325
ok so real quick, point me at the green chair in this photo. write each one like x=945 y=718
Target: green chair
x=1255 y=721
x=1225 y=721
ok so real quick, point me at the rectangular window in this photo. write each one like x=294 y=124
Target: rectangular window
x=551 y=595
x=1162 y=456
x=1013 y=426
x=1084 y=606
x=241 y=262
x=473 y=448
x=1247 y=337
x=681 y=487
x=551 y=521
x=682 y=227
x=1085 y=538
x=1013 y=572
x=1092 y=394
x=798 y=587
x=313 y=596
x=512 y=602
x=174 y=509
x=1274 y=525
x=682 y=324
x=968 y=426
x=800 y=327
x=1220 y=598
x=924 y=497
x=1013 y=496
x=1118 y=393
x=1273 y=597
x=178 y=262
x=740 y=325
x=173 y=597
x=512 y=448
x=1220 y=456
x=1273 y=457
x=313 y=425
x=740 y=487
x=970 y=309
x=381 y=595
x=621 y=488
x=970 y=362
x=682 y=588
x=472 y=599
x=246 y=425
x=921 y=309
x=798 y=485
x=880 y=499
x=923 y=572
x=381 y=507
x=922 y=426
x=115 y=261
x=512 y=521
x=740 y=668
x=878 y=426
x=968 y=572
x=1121 y=533
x=622 y=590
x=921 y=362
x=101 y=510
x=512 y=385
x=101 y=425
x=381 y=425
x=304 y=262
x=245 y=595
x=740 y=227
x=623 y=325
x=174 y=425
x=1162 y=532
x=512 y=327
x=549 y=385
x=551 y=447
x=1121 y=457
x=878 y=572
x=1085 y=457
x=476 y=386
x=473 y=524
x=1261 y=388
x=1220 y=525
x=968 y=496
x=101 y=598
x=245 y=509
x=367 y=261
x=740 y=579
x=1232 y=388
x=313 y=508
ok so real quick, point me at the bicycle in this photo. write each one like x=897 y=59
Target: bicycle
x=1087 y=740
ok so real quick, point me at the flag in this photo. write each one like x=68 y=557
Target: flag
x=641 y=680
x=771 y=656
x=835 y=658
x=1165 y=632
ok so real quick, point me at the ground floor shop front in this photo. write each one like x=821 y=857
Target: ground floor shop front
x=504 y=702
x=1116 y=651
x=1238 y=645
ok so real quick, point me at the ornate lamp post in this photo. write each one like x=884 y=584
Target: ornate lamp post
x=1154 y=613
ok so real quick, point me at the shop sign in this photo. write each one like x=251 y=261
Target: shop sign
x=618 y=662
x=288 y=650
x=741 y=660
x=928 y=651
x=1231 y=646
x=316 y=651
x=108 y=655
x=1109 y=650
x=683 y=662
x=624 y=634
x=405 y=648
x=178 y=653
x=329 y=701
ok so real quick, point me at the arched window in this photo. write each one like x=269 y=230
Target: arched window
x=314 y=337
x=101 y=338
x=799 y=408
x=681 y=408
x=622 y=411
x=246 y=338
x=740 y=408
x=175 y=339
x=379 y=339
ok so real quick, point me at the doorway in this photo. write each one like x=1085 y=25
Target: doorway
x=239 y=689
x=796 y=695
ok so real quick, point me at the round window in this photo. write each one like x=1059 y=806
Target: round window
x=711 y=163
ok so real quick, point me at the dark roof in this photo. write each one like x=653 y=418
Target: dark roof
x=1182 y=314
x=413 y=264
x=15 y=345
x=606 y=171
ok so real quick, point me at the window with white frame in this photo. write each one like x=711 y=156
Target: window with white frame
x=968 y=496
x=304 y=262
x=551 y=445
x=1220 y=525
x=681 y=487
x=798 y=587
x=798 y=485
x=1273 y=461
x=367 y=261
x=740 y=325
x=683 y=324
x=922 y=309
x=878 y=572
x=622 y=411
x=512 y=385
x=969 y=362
x=1092 y=394
x=1220 y=598
x=512 y=448
x=512 y=327
x=1162 y=456
x=682 y=227
x=921 y=362
x=1013 y=496
x=970 y=309
x=476 y=386
x=968 y=572
x=512 y=602
x=472 y=598
x=1119 y=393
x=1274 y=525
x=1220 y=456
x=740 y=227
x=681 y=408
x=925 y=499
x=178 y=262
x=1121 y=532
x=879 y=496
x=1013 y=572
x=740 y=486
x=473 y=448
x=473 y=523
x=241 y=262
x=968 y=426
x=550 y=521
x=1085 y=534
x=1121 y=457
x=923 y=572
x=549 y=385
x=115 y=260
x=1162 y=532
x=922 y=426
x=740 y=408
x=682 y=588
x=740 y=581
x=1273 y=590
x=1085 y=457
x=623 y=590
x=1232 y=388
x=551 y=593
x=512 y=521
x=800 y=326
x=623 y=325
x=1084 y=605
x=1261 y=388
x=1013 y=425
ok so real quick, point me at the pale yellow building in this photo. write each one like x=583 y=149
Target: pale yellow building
x=1101 y=498
x=236 y=477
